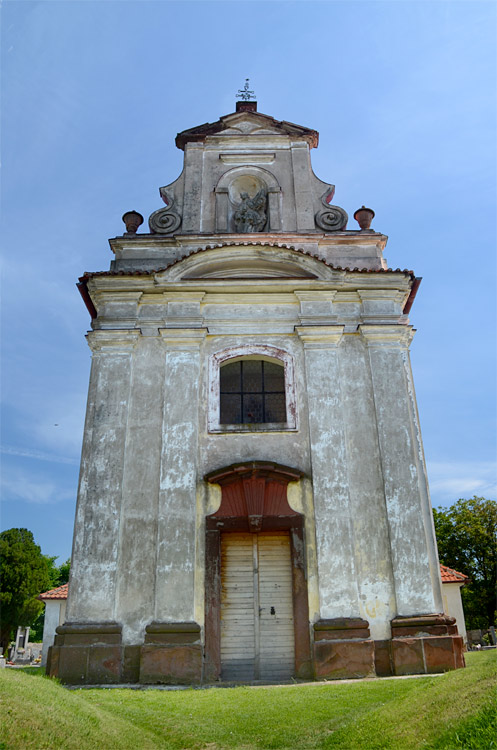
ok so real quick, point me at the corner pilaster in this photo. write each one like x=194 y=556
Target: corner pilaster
x=96 y=533
x=403 y=469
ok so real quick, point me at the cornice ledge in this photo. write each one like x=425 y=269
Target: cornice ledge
x=183 y=338
x=320 y=336
x=120 y=341
x=388 y=336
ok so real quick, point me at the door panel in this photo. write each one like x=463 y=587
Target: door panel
x=257 y=629
x=237 y=607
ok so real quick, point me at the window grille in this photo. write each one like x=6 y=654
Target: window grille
x=252 y=391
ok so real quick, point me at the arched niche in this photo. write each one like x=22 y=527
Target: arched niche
x=250 y=180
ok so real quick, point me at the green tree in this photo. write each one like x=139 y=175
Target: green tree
x=24 y=574
x=467 y=541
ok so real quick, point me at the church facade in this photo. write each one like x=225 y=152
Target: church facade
x=253 y=500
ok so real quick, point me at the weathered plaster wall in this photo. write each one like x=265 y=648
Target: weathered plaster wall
x=55 y=612
x=138 y=528
x=98 y=514
x=335 y=550
x=356 y=438
x=452 y=605
x=410 y=549
x=177 y=499
x=371 y=541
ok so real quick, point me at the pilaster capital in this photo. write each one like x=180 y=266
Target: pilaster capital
x=320 y=337
x=387 y=336
x=375 y=295
x=183 y=297
x=113 y=341
x=316 y=295
x=183 y=338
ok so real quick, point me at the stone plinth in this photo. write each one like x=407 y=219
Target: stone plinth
x=87 y=653
x=172 y=654
x=343 y=649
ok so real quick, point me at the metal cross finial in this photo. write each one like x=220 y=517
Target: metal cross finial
x=245 y=94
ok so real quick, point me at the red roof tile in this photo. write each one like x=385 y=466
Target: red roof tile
x=452 y=576
x=59 y=593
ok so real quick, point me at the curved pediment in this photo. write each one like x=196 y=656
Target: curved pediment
x=248 y=262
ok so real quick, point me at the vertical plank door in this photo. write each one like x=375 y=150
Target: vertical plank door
x=257 y=631
x=237 y=607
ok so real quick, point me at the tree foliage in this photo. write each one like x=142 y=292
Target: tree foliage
x=24 y=574
x=467 y=542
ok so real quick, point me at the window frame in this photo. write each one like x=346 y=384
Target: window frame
x=269 y=354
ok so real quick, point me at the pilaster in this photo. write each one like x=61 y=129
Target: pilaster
x=140 y=491
x=175 y=562
x=367 y=497
x=411 y=546
x=301 y=169
x=335 y=546
x=96 y=534
x=192 y=202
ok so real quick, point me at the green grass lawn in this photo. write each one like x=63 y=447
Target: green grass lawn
x=455 y=710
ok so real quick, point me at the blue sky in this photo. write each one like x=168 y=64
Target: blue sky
x=93 y=94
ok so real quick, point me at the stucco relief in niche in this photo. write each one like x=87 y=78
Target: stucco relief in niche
x=165 y=220
x=247 y=201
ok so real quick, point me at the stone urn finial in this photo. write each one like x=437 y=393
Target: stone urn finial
x=132 y=219
x=364 y=216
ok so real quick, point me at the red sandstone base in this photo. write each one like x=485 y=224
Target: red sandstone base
x=92 y=653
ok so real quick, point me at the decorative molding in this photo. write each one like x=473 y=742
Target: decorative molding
x=183 y=338
x=320 y=337
x=243 y=352
x=249 y=158
x=387 y=336
x=253 y=491
x=316 y=307
x=165 y=220
x=332 y=218
x=113 y=341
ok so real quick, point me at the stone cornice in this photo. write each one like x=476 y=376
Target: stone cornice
x=343 y=282
x=182 y=338
x=120 y=341
x=387 y=336
x=156 y=241
x=320 y=337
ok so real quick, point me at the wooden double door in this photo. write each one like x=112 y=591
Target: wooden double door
x=257 y=623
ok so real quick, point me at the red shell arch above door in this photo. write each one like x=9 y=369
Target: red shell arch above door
x=254 y=497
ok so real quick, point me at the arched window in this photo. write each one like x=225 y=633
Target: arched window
x=251 y=388
x=252 y=391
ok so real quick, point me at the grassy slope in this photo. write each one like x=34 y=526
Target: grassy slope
x=450 y=712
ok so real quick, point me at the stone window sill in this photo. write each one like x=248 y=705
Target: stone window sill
x=257 y=427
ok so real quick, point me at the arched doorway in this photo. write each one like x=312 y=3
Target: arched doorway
x=257 y=615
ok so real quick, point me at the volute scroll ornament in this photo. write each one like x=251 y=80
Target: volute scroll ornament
x=165 y=220
x=332 y=218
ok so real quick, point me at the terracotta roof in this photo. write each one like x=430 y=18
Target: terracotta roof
x=59 y=593
x=452 y=576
